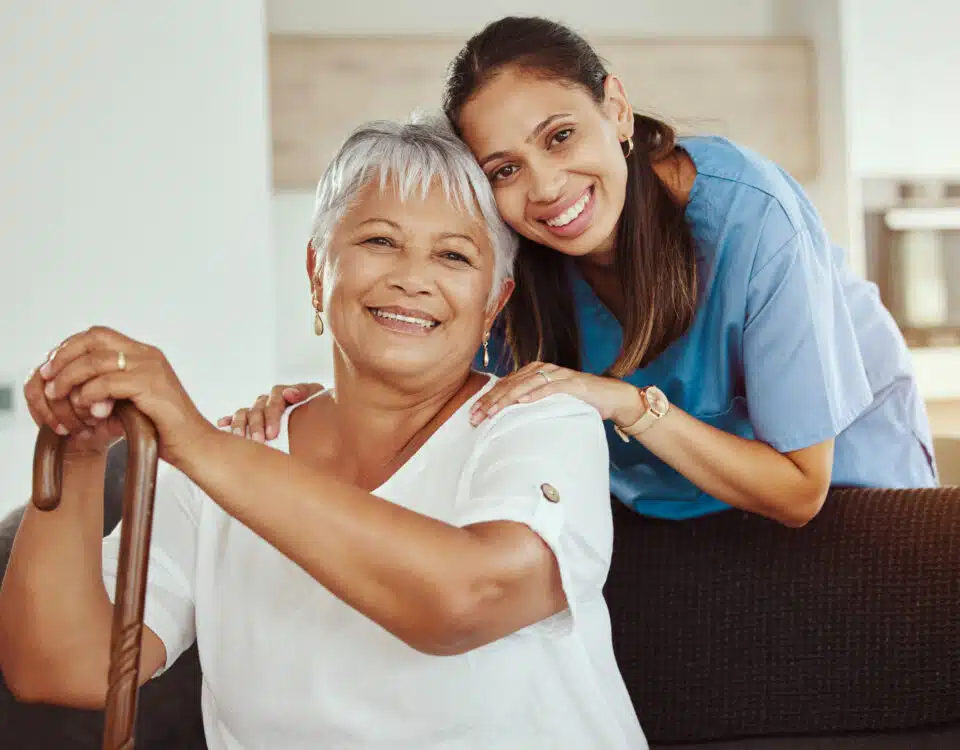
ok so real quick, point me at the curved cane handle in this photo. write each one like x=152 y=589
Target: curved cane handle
x=138 y=495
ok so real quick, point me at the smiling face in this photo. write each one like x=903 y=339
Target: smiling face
x=406 y=282
x=553 y=156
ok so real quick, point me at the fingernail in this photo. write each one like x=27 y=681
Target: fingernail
x=86 y=434
x=493 y=410
x=257 y=436
x=49 y=390
x=61 y=430
x=523 y=399
x=476 y=418
x=100 y=410
x=45 y=369
x=237 y=431
x=271 y=432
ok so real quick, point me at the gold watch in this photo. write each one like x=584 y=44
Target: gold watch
x=657 y=405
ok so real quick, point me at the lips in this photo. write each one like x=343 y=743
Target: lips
x=574 y=219
x=404 y=319
x=568 y=211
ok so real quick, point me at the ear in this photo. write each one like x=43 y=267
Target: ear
x=617 y=107
x=314 y=275
x=506 y=290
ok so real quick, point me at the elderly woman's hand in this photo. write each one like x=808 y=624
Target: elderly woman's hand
x=616 y=400
x=92 y=369
x=262 y=420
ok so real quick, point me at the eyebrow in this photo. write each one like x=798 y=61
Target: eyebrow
x=534 y=134
x=441 y=236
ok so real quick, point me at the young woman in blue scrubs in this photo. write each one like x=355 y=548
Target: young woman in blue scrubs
x=686 y=288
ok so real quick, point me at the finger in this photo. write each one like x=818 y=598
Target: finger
x=532 y=379
x=119 y=384
x=547 y=389
x=502 y=386
x=96 y=339
x=74 y=373
x=238 y=422
x=255 y=429
x=38 y=407
x=281 y=397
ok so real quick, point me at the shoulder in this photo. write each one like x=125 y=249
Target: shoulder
x=559 y=423
x=738 y=189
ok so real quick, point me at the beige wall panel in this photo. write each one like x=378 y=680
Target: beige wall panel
x=758 y=92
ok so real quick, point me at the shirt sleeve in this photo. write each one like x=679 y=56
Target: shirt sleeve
x=546 y=465
x=805 y=379
x=169 y=605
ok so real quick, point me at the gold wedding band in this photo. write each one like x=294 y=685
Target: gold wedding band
x=121 y=361
x=543 y=374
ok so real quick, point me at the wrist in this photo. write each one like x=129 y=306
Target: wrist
x=197 y=447
x=632 y=407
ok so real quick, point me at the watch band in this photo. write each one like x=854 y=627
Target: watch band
x=646 y=421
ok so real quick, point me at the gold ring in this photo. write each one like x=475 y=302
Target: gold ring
x=543 y=374
x=121 y=361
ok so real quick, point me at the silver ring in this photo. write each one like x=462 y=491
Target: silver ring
x=121 y=361
x=543 y=374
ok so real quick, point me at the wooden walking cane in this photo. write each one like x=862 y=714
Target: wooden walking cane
x=139 y=486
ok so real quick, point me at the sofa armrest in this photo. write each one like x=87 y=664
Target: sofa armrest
x=733 y=626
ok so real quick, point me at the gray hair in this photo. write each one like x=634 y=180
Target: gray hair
x=414 y=154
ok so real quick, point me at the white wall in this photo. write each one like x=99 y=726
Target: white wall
x=619 y=17
x=903 y=68
x=135 y=188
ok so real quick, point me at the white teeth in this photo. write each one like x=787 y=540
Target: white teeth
x=571 y=213
x=405 y=318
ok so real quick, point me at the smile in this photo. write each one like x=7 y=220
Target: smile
x=575 y=219
x=571 y=213
x=408 y=321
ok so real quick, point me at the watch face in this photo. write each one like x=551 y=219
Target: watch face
x=657 y=400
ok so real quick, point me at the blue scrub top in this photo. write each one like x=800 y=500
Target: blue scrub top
x=788 y=346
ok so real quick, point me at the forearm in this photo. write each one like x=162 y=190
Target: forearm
x=408 y=572
x=54 y=612
x=747 y=474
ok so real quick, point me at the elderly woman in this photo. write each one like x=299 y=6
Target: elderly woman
x=381 y=574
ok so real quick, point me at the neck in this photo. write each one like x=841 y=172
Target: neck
x=678 y=173
x=379 y=420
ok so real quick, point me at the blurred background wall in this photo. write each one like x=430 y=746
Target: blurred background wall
x=139 y=186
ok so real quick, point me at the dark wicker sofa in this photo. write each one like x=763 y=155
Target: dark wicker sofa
x=731 y=632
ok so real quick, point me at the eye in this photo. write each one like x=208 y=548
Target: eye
x=504 y=172
x=454 y=256
x=379 y=242
x=561 y=135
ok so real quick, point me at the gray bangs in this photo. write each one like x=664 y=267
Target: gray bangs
x=413 y=156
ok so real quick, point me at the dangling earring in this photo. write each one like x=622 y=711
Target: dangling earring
x=486 y=349
x=317 y=324
x=627 y=147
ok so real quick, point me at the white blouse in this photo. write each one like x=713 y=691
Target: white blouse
x=288 y=666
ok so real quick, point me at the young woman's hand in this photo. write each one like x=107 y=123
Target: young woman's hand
x=91 y=370
x=616 y=400
x=262 y=420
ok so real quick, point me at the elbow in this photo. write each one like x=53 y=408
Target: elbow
x=803 y=508
x=452 y=627
x=32 y=679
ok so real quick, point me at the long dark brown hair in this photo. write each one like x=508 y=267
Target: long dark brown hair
x=655 y=254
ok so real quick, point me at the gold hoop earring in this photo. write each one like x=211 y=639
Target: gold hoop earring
x=317 y=324
x=486 y=349
x=627 y=147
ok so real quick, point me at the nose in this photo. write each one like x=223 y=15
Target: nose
x=547 y=183
x=411 y=275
